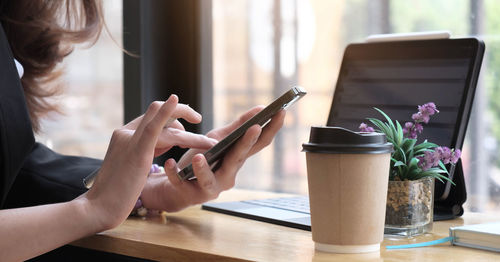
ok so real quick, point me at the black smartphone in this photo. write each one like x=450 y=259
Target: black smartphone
x=214 y=154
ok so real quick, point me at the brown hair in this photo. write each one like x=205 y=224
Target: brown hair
x=41 y=33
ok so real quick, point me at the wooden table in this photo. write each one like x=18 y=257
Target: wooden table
x=198 y=235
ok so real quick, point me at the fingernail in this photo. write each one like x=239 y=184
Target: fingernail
x=254 y=140
x=197 y=160
x=170 y=164
x=173 y=96
x=199 y=118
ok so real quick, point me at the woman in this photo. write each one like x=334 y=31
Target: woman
x=42 y=197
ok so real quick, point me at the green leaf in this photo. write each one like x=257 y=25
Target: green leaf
x=414 y=162
x=440 y=180
x=421 y=151
x=436 y=170
x=413 y=169
x=379 y=124
x=384 y=128
x=442 y=177
x=408 y=144
x=442 y=165
x=413 y=173
x=403 y=155
x=424 y=145
x=399 y=136
x=436 y=173
x=389 y=120
x=397 y=155
x=399 y=163
x=400 y=170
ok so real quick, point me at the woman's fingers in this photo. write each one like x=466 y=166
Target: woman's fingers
x=186 y=158
x=235 y=158
x=178 y=125
x=171 y=171
x=142 y=121
x=268 y=132
x=224 y=131
x=174 y=137
x=184 y=139
x=134 y=123
x=181 y=111
x=153 y=123
x=187 y=113
x=205 y=177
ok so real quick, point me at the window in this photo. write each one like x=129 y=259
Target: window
x=260 y=48
x=92 y=101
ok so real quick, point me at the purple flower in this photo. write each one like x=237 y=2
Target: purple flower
x=365 y=128
x=421 y=163
x=436 y=157
x=428 y=109
x=412 y=134
x=456 y=155
x=431 y=158
x=419 y=117
x=407 y=128
x=445 y=153
x=428 y=160
x=408 y=125
x=425 y=161
x=411 y=130
x=419 y=128
x=424 y=112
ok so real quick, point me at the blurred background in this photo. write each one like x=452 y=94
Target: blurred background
x=259 y=49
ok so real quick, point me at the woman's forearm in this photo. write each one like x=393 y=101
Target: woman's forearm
x=31 y=231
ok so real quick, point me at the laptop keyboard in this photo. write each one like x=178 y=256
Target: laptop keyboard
x=297 y=204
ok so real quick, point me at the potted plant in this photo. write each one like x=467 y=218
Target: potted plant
x=413 y=169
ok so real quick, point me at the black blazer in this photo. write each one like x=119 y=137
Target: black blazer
x=30 y=173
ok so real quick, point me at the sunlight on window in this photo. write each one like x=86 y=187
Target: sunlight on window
x=259 y=53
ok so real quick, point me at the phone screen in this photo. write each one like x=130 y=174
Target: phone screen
x=214 y=154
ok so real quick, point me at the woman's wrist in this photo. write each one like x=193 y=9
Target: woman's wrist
x=83 y=207
x=139 y=208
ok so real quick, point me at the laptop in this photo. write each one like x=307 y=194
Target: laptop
x=290 y=211
x=394 y=76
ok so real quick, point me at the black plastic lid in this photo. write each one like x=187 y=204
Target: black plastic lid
x=338 y=140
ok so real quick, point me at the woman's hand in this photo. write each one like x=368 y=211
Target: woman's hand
x=174 y=133
x=167 y=192
x=129 y=157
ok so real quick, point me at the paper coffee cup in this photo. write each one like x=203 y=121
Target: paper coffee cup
x=348 y=174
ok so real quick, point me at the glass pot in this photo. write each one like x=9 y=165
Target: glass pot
x=409 y=208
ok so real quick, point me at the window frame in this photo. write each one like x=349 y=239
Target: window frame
x=172 y=43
